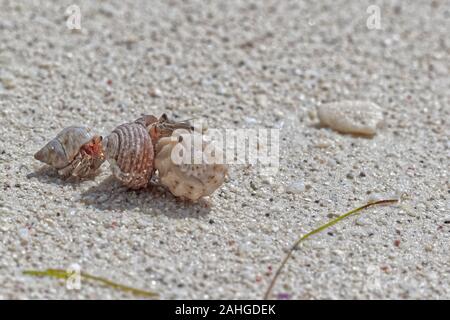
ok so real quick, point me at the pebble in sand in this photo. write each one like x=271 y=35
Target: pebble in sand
x=355 y=117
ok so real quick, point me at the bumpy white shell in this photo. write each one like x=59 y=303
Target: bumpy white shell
x=189 y=180
x=356 y=117
x=62 y=149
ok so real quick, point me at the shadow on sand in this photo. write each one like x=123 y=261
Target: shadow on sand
x=49 y=175
x=110 y=195
x=353 y=135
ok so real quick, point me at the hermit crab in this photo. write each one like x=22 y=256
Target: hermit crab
x=75 y=151
x=162 y=127
x=190 y=170
x=130 y=148
x=135 y=151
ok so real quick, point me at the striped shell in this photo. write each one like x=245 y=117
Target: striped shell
x=129 y=150
x=186 y=179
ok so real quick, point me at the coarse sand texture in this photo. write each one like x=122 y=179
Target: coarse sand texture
x=359 y=98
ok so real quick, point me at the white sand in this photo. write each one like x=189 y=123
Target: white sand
x=235 y=64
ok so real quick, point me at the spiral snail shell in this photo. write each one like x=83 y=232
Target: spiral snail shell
x=135 y=150
x=75 y=151
x=187 y=179
x=129 y=150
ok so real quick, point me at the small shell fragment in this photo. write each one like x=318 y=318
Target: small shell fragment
x=129 y=150
x=74 y=151
x=183 y=176
x=355 y=117
x=296 y=187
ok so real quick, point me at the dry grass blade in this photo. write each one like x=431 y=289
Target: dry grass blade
x=319 y=229
x=62 y=274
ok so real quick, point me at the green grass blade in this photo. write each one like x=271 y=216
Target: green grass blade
x=62 y=274
x=319 y=229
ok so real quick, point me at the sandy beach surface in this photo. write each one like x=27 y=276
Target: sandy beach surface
x=234 y=64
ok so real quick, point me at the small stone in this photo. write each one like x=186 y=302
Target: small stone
x=155 y=92
x=360 y=222
x=250 y=120
x=356 y=117
x=5 y=226
x=385 y=269
x=332 y=163
x=8 y=83
x=261 y=100
x=24 y=235
x=253 y=186
x=312 y=114
x=267 y=181
x=374 y=197
x=107 y=10
x=283 y=296
x=296 y=187
x=322 y=144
